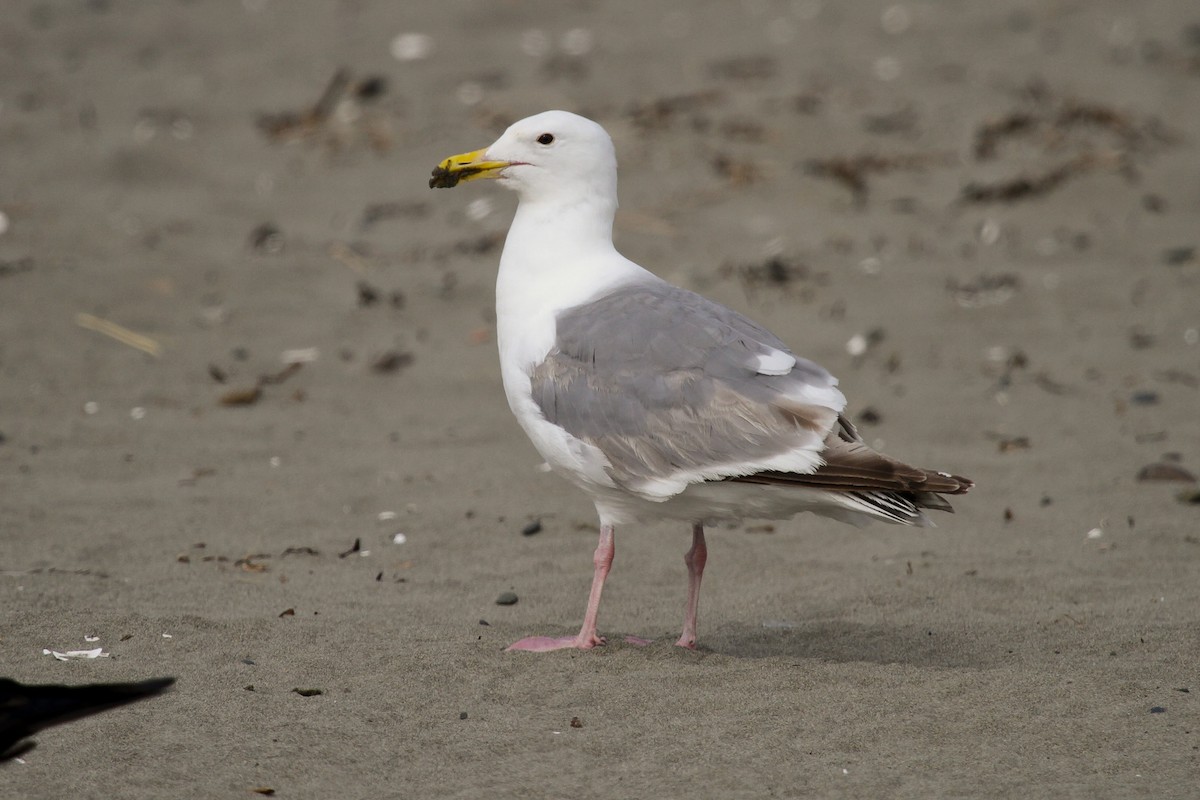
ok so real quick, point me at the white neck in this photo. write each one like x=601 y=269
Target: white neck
x=582 y=224
x=556 y=256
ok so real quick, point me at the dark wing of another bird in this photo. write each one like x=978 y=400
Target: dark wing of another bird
x=26 y=709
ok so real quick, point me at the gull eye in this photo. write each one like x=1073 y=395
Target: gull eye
x=546 y=138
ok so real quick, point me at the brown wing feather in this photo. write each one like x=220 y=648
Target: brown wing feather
x=851 y=466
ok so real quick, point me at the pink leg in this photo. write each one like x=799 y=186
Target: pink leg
x=587 y=638
x=695 y=560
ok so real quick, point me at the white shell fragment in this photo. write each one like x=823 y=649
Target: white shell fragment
x=73 y=654
x=857 y=345
x=411 y=46
x=301 y=355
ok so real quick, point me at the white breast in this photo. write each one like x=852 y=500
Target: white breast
x=529 y=298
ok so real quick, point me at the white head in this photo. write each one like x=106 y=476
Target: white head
x=555 y=157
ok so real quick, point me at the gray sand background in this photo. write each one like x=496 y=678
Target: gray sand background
x=1044 y=345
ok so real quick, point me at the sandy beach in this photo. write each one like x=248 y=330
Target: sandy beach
x=253 y=434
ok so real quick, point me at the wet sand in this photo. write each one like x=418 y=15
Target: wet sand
x=996 y=203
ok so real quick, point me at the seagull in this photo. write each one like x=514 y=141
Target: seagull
x=655 y=401
x=25 y=709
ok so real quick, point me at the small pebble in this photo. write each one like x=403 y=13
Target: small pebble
x=1158 y=710
x=411 y=46
x=1179 y=255
x=392 y=361
x=368 y=295
x=870 y=416
x=371 y=87
x=266 y=238
x=300 y=355
x=1140 y=340
x=1144 y=398
x=1189 y=497
x=462 y=715
x=1164 y=471
x=506 y=599
x=532 y=528
x=576 y=722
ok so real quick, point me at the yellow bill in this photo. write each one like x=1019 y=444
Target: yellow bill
x=465 y=167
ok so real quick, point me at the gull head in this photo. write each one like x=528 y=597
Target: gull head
x=552 y=155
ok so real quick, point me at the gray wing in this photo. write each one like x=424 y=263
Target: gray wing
x=675 y=389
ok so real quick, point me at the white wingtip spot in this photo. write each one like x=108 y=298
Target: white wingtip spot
x=775 y=362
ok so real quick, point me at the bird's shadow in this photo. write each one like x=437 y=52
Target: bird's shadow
x=849 y=642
